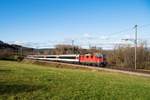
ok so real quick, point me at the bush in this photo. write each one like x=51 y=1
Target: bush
x=20 y=58
x=12 y=58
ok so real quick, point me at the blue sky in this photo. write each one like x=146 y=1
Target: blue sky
x=44 y=23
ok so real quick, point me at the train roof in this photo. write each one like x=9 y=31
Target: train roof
x=69 y=55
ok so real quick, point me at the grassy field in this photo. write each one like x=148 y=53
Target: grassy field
x=35 y=82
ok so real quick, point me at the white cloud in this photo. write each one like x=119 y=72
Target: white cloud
x=33 y=44
x=18 y=42
x=86 y=35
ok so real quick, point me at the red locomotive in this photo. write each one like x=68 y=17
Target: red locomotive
x=97 y=59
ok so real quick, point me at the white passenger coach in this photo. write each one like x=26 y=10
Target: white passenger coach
x=64 y=58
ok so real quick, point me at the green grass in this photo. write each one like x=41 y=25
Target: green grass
x=35 y=82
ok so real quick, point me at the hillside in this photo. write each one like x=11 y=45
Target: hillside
x=34 y=82
x=4 y=45
x=12 y=51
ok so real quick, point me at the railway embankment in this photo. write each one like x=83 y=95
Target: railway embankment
x=138 y=72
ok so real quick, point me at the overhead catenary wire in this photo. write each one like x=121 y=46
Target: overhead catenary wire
x=144 y=26
x=126 y=30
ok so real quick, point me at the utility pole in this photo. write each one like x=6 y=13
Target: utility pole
x=21 y=51
x=37 y=48
x=135 y=46
x=72 y=46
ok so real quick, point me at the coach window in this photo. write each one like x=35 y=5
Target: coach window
x=87 y=56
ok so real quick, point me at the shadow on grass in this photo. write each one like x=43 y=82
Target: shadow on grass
x=5 y=70
x=8 y=89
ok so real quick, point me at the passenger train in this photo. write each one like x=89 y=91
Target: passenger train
x=87 y=59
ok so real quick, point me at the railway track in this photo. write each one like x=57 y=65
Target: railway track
x=137 y=72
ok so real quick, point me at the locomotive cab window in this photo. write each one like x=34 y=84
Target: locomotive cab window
x=99 y=56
